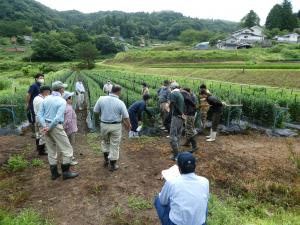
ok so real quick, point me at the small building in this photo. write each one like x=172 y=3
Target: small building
x=288 y=38
x=243 y=38
x=202 y=46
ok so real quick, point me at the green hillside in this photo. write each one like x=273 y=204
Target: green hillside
x=165 y=25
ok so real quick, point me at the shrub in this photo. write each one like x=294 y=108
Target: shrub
x=37 y=162
x=26 y=217
x=5 y=84
x=17 y=163
x=291 y=54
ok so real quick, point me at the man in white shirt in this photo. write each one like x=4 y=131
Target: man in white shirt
x=113 y=113
x=79 y=88
x=37 y=102
x=183 y=200
x=107 y=87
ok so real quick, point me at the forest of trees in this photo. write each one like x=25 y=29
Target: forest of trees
x=60 y=35
x=166 y=25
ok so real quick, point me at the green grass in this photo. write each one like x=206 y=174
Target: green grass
x=25 y=217
x=248 y=211
x=37 y=162
x=245 y=66
x=139 y=203
x=281 y=53
x=269 y=77
x=93 y=141
x=17 y=163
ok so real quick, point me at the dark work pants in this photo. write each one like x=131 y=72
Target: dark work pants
x=162 y=212
x=215 y=120
x=134 y=121
x=175 y=133
x=31 y=116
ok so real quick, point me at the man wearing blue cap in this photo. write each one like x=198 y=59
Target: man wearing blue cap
x=183 y=200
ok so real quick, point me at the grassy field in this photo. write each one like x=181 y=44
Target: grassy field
x=255 y=55
x=288 y=78
x=225 y=208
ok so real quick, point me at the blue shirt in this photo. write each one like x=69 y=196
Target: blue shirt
x=52 y=110
x=137 y=107
x=34 y=91
x=188 y=197
x=163 y=94
x=111 y=109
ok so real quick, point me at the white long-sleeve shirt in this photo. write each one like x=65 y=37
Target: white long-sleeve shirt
x=79 y=87
x=37 y=102
x=187 y=196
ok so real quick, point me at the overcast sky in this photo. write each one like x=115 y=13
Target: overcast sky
x=232 y=10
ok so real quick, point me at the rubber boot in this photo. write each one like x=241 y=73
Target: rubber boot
x=41 y=149
x=67 y=174
x=106 y=161
x=54 y=172
x=37 y=141
x=212 y=137
x=113 y=165
x=32 y=126
x=207 y=137
x=194 y=145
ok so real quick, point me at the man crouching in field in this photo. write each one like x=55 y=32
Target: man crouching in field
x=51 y=118
x=183 y=200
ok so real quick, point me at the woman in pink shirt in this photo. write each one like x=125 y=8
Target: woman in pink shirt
x=70 y=123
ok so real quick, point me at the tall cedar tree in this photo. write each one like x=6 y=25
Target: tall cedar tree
x=289 y=20
x=250 y=20
x=282 y=17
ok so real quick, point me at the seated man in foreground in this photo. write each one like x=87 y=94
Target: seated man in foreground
x=183 y=200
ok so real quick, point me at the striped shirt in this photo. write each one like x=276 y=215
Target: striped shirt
x=111 y=109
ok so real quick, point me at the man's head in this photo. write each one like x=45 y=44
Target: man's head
x=68 y=96
x=146 y=97
x=186 y=162
x=166 y=83
x=108 y=82
x=59 y=86
x=39 y=77
x=202 y=87
x=45 y=90
x=187 y=89
x=174 y=85
x=116 y=90
x=144 y=84
x=204 y=93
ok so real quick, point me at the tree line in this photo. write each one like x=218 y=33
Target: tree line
x=32 y=16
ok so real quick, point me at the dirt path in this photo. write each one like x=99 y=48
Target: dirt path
x=99 y=196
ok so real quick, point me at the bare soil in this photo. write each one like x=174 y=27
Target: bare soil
x=99 y=196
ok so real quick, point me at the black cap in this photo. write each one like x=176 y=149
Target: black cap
x=186 y=162
x=45 y=88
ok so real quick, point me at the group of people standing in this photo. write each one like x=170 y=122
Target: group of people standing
x=178 y=108
x=51 y=114
x=182 y=201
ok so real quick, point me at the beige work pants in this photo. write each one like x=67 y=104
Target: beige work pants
x=111 y=135
x=57 y=141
